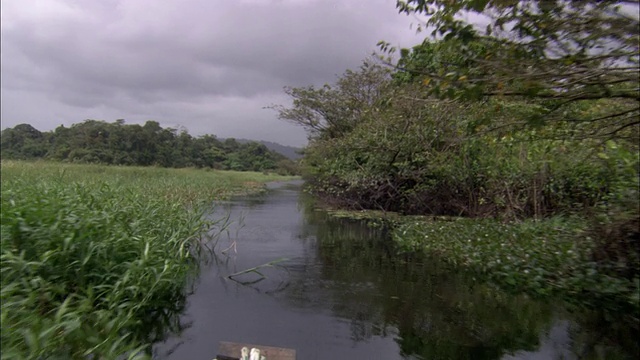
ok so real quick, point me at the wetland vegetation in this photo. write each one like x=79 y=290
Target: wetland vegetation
x=96 y=260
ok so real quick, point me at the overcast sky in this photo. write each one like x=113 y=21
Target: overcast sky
x=207 y=65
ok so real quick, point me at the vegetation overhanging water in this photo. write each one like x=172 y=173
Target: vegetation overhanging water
x=96 y=260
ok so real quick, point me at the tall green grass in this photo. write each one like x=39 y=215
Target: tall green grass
x=96 y=260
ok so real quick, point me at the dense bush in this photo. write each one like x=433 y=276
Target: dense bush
x=424 y=161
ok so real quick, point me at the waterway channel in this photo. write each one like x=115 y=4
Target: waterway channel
x=343 y=292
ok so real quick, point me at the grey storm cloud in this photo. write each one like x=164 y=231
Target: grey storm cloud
x=208 y=65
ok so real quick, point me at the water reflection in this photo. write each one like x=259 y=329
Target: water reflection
x=432 y=311
x=346 y=294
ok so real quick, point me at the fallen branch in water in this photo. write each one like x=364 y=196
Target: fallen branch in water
x=255 y=270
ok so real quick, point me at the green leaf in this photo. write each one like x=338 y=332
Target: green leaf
x=62 y=309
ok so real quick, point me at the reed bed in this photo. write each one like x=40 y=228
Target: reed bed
x=96 y=260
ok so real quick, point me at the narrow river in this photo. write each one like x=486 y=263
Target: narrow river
x=343 y=293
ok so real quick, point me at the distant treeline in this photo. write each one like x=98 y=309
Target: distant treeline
x=291 y=152
x=117 y=143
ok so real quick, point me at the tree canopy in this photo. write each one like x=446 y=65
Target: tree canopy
x=331 y=111
x=559 y=53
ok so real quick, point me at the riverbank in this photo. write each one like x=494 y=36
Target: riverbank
x=96 y=259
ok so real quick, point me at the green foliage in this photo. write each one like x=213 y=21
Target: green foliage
x=96 y=260
x=412 y=152
x=332 y=111
x=419 y=158
x=119 y=144
x=23 y=142
x=558 y=53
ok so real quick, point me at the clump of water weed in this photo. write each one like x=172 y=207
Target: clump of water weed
x=548 y=257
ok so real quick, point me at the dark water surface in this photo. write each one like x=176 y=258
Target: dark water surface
x=343 y=293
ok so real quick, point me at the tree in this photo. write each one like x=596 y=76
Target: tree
x=561 y=54
x=332 y=111
x=23 y=141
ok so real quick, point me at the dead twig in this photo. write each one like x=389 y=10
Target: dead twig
x=256 y=271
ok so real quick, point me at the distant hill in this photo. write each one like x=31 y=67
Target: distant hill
x=288 y=151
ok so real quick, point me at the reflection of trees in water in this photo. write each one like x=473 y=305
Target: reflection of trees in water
x=597 y=332
x=432 y=310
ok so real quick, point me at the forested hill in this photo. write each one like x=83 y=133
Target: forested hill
x=117 y=143
x=293 y=153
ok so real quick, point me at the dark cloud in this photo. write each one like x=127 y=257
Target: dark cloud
x=208 y=65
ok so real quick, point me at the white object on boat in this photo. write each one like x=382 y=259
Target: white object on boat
x=255 y=354
x=244 y=353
